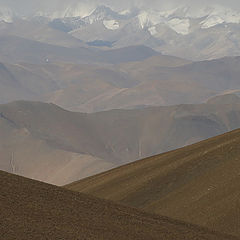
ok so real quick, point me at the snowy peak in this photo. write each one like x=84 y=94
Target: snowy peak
x=152 y=18
x=178 y=19
x=103 y=13
x=149 y=18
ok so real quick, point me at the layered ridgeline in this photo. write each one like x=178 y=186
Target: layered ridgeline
x=126 y=78
x=34 y=210
x=45 y=142
x=198 y=184
x=16 y=49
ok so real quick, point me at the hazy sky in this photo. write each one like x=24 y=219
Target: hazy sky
x=31 y=6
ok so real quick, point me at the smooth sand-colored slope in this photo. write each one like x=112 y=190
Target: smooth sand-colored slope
x=199 y=184
x=35 y=210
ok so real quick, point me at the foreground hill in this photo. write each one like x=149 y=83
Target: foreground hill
x=199 y=184
x=34 y=210
x=47 y=143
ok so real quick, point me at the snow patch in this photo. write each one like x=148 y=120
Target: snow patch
x=149 y=19
x=143 y=19
x=178 y=19
x=219 y=16
x=125 y=12
x=180 y=26
x=111 y=24
x=211 y=21
x=6 y=15
x=153 y=31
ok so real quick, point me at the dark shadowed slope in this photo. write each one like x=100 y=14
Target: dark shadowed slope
x=34 y=210
x=198 y=184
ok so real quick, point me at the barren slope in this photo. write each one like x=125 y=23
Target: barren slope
x=34 y=210
x=160 y=80
x=156 y=81
x=23 y=153
x=198 y=184
x=68 y=77
x=15 y=49
x=43 y=141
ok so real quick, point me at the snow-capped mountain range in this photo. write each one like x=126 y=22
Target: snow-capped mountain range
x=208 y=33
x=177 y=19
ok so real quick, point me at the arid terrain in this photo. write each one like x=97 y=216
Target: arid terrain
x=198 y=184
x=45 y=142
x=151 y=79
x=119 y=120
x=35 y=210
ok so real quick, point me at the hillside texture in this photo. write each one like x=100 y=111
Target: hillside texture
x=34 y=210
x=198 y=184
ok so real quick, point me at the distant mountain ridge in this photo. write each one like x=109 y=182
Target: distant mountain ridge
x=171 y=32
x=45 y=142
x=123 y=78
x=211 y=32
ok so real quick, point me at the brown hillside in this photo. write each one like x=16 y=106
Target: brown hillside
x=35 y=210
x=198 y=184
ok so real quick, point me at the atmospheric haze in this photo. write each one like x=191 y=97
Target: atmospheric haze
x=84 y=7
